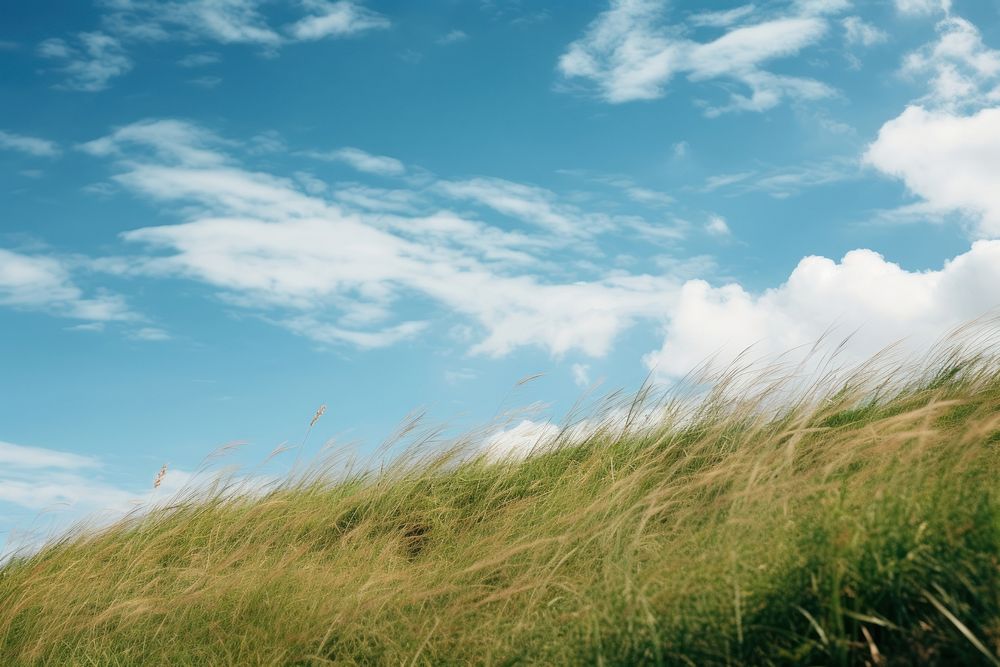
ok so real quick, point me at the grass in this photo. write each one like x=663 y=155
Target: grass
x=851 y=521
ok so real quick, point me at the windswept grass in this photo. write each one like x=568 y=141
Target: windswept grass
x=851 y=521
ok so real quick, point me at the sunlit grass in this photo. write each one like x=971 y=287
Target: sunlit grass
x=851 y=519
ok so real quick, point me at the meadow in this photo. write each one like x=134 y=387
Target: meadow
x=760 y=516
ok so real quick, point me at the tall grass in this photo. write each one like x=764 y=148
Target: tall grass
x=774 y=519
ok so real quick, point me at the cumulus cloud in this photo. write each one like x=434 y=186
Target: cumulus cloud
x=521 y=440
x=91 y=64
x=29 y=145
x=629 y=54
x=37 y=282
x=961 y=69
x=947 y=159
x=946 y=147
x=911 y=306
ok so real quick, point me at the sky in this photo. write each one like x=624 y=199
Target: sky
x=218 y=215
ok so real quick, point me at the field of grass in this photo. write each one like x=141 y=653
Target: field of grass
x=853 y=521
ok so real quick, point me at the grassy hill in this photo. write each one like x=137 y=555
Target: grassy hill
x=851 y=522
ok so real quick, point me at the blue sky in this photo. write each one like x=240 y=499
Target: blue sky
x=218 y=215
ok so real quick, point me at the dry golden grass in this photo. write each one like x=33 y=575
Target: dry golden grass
x=853 y=519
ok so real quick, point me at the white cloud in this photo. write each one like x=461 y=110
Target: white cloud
x=30 y=145
x=459 y=375
x=453 y=37
x=517 y=442
x=917 y=306
x=380 y=165
x=207 y=82
x=530 y=204
x=716 y=226
x=152 y=334
x=59 y=488
x=335 y=273
x=100 y=56
x=199 y=59
x=21 y=456
x=35 y=282
x=741 y=50
x=236 y=21
x=821 y=7
x=38 y=478
x=782 y=182
x=858 y=32
x=172 y=141
x=313 y=185
x=948 y=160
x=946 y=147
x=723 y=18
x=962 y=70
x=91 y=66
x=630 y=55
x=713 y=183
x=922 y=7
x=623 y=52
x=328 y=333
x=56 y=489
x=336 y=19
x=225 y=21
x=581 y=375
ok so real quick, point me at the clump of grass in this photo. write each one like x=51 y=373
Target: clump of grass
x=853 y=520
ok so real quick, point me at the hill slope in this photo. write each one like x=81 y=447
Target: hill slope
x=856 y=526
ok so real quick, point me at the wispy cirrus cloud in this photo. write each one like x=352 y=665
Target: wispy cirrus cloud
x=22 y=456
x=90 y=63
x=922 y=7
x=237 y=21
x=43 y=283
x=860 y=32
x=91 y=60
x=335 y=19
x=30 y=145
x=59 y=487
x=327 y=269
x=363 y=161
x=782 y=182
x=530 y=204
x=629 y=53
x=453 y=37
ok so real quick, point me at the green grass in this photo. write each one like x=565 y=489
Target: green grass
x=858 y=524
